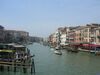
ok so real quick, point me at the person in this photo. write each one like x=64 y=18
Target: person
x=25 y=56
x=16 y=55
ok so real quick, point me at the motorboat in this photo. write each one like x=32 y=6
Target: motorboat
x=58 y=52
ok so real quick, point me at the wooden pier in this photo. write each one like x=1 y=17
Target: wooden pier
x=15 y=57
x=21 y=66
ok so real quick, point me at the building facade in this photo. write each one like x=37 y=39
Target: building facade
x=89 y=33
x=16 y=36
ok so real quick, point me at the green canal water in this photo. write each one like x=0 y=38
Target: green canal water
x=48 y=63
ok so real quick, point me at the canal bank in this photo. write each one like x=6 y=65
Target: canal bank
x=48 y=63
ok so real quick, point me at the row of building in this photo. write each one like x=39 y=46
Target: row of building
x=89 y=33
x=13 y=36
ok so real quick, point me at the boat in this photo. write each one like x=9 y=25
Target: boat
x=92 y=48
x=97 y=52
x=58 y=52
x=73 y=50
x=73 y=47
x=57 y=48
x=92 y=51
x=89 y=46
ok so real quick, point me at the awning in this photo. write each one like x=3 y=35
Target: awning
x=9 y=51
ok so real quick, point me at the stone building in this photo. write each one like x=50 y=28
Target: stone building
x=2 y=34
x=16 y=36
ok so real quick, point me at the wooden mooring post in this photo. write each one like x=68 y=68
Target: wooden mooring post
x=24 y=67
x=15 y=67
x=1 y=68
x=33 y=67
x=8 y=68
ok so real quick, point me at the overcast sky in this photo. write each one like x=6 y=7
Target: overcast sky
x=42 y=17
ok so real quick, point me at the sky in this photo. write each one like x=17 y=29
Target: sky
x=43 y=17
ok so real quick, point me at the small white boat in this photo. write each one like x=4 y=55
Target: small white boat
x=92 y=51
x=97 y=52
x=58 y=52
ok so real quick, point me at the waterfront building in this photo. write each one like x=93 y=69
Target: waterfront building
x=2 y=34
x=85 y=34
x=9 y=36
x=96 y=35
x=55 y=39
x=64 y=36
x=79 y=34
x=16 y=36
x=50 y=39
x=71 y=36
x=89 y=33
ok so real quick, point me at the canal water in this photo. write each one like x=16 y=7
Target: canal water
x=48 y=63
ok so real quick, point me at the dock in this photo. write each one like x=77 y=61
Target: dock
x=15 y=57
x=13 y=66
